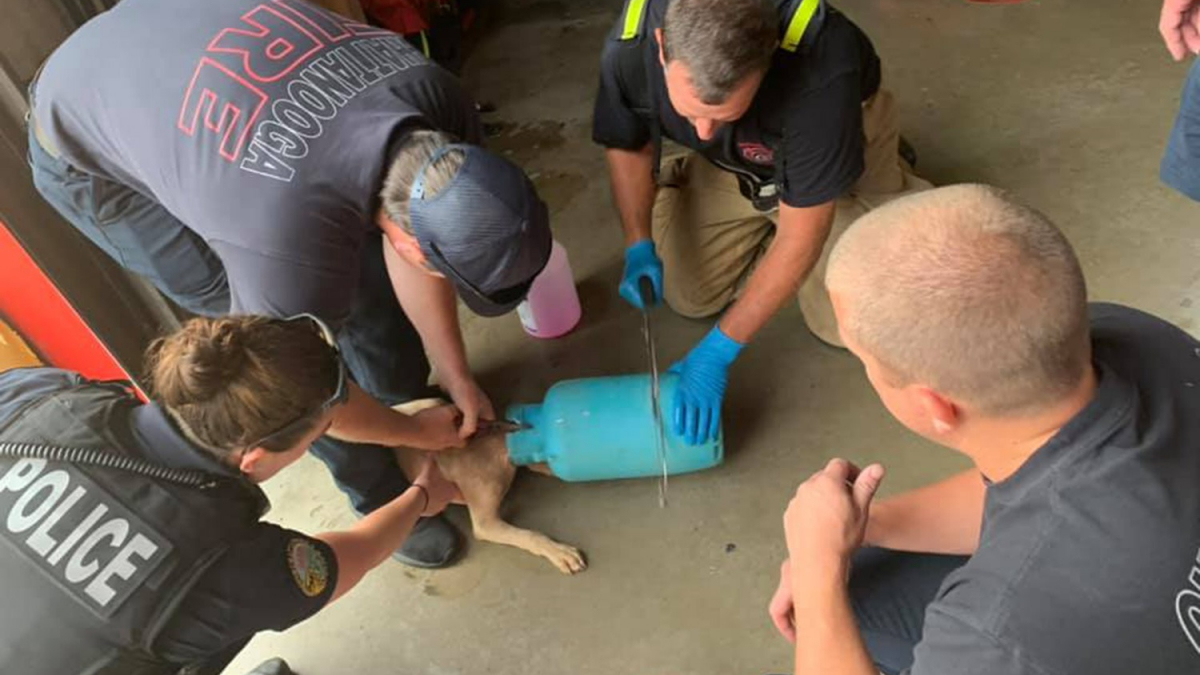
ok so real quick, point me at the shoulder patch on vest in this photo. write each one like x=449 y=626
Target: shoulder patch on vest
x=309 y=568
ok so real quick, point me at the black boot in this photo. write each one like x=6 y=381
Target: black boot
x=433 y=543
x=275 y=666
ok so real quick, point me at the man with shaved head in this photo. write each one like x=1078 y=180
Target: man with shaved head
x=1073 y=543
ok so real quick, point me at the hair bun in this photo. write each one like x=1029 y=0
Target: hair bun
x=201 y=361
x=228 y=347
x=235 y=380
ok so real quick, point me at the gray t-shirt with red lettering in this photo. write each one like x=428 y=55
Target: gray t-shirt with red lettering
x=263 y=125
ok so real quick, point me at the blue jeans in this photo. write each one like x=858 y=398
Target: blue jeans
x=382 y=349
x=1181 y=162
x=889 y=591
x=135 y=231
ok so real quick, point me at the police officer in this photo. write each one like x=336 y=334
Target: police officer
x=791 y=137
x=118 y=572
x=276 y=158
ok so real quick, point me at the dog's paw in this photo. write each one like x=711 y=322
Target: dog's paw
x=568 y=559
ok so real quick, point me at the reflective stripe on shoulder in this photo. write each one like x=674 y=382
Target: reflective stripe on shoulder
x=631 y=26
x=798 y=24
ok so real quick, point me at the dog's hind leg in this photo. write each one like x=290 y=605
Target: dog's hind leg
x=483 y=499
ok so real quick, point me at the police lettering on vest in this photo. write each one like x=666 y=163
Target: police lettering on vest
x=76 y=533
x=97 y=560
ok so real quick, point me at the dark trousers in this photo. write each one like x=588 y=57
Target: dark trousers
x=1180 y=166
x=889 y=591
x=135 y=231
x=382 y=349
x=384 y=353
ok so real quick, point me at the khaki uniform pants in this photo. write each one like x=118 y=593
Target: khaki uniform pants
x=710 y=237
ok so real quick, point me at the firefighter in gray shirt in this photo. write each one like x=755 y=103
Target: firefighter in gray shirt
x=274 y=158
x=1073 y=545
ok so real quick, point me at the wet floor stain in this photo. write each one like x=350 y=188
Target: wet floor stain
x=523 y=142
x=452 y=582
x=558 y=188
x=539 y=10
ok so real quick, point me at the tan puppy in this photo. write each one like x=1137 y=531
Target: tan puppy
x=483 y=474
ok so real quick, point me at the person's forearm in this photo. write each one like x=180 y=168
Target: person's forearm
x=432 y=305
x=364 y=419
x=945 y=517
x=799 y=238
x=373 y=538
x=828 y=641
x=631 y=174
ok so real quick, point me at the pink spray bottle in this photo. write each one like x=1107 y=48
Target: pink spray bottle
x=552 y=307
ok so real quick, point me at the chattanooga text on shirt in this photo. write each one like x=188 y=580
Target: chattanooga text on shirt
x=296 y=67
x=76 y=533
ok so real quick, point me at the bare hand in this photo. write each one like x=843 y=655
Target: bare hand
x=439 y=428
x=781 y=606
x=473 y=403
x=827 y=519
x=441 y=491
x=1179 y=25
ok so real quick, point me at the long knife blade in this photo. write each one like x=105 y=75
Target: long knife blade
x=503 y=426
x=646 y=288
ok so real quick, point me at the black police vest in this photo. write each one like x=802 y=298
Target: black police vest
x=95 y=561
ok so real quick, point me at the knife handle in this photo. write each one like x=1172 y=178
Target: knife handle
x=646 y=289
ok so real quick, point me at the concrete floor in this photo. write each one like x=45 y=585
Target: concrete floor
x=1066 y=103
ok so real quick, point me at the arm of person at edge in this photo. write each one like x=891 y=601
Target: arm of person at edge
x=945 y=517
x=372 y=539
x=364 y=419
x=1179 y=25
x=432 y=305
x=824 y=524
x=704 y=372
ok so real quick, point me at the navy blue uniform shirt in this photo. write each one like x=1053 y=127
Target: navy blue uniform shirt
x=264 y=126
x=803 y=131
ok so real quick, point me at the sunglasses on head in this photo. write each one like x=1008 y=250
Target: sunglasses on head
x=340 y=391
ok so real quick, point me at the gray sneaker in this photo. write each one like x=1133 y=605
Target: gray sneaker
x=433 y=543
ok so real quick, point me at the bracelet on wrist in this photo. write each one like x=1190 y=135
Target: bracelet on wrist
x=424 y=492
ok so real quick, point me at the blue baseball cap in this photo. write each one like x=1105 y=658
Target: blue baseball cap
x=486 y=230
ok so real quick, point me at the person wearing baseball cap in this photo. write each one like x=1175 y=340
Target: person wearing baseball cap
x=256 y=174
x=469 y=216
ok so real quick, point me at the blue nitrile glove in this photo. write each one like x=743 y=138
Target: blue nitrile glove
x=696 y=412
x=641 y=260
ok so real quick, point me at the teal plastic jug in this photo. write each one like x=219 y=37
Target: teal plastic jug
x=602 y=428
